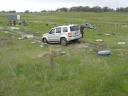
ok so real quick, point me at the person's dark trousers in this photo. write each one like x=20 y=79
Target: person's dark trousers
x=82 y=35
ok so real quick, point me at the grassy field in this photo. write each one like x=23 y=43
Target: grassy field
x=25 y=69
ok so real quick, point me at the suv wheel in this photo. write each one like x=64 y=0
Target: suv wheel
x=63 y=41
x=44 y=40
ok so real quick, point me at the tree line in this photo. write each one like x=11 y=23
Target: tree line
x=92 y=9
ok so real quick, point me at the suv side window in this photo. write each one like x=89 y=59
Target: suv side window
x=65 y=29
x=52 y=31
x=58 y=30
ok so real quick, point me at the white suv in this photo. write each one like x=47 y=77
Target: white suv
x=62 y=34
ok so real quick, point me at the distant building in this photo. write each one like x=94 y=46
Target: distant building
x=13 y=18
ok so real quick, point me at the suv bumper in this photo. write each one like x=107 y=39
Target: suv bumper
x=74 y=38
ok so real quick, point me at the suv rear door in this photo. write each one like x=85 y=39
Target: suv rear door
x=57 y=34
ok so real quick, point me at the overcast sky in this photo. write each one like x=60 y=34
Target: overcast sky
x=38 y=5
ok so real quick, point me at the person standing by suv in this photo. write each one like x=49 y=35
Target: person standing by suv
x=82 y=30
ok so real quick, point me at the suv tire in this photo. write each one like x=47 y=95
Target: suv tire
x=44 y=40
x=63 y=41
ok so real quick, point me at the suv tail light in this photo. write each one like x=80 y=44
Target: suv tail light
x=69 y=34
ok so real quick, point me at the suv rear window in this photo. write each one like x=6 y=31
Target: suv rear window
x=74 y=28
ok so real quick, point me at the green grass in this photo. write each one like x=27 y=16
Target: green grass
x=25 y=69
